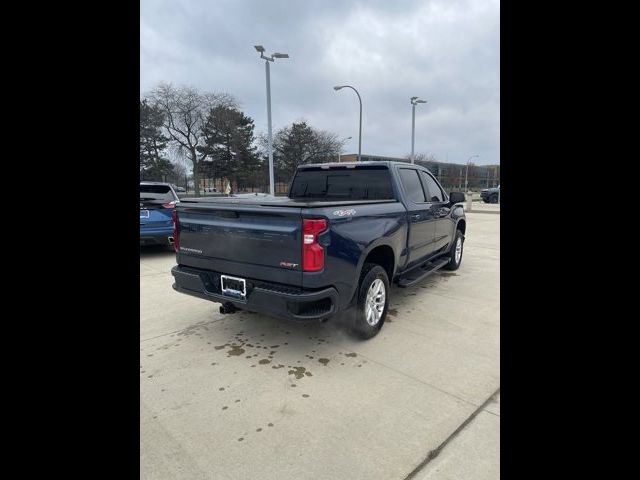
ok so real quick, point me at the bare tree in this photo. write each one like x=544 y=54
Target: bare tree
x=185 y=112
x=423 y=157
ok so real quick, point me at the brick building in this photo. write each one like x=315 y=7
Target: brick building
x=450 y=175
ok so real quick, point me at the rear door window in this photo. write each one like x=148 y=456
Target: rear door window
x=412 y=186
x=434 y=192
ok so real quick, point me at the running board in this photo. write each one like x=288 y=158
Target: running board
x=420 y=273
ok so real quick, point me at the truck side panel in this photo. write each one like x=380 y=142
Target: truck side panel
x=353 y=232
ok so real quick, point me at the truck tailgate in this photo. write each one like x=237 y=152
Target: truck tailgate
x=248 y=241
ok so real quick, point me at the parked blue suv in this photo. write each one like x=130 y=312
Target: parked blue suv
x=157 y=204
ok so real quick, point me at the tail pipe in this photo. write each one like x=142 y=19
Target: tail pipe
x=170 y=240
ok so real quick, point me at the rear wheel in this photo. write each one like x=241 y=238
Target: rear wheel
x=456 y=252
x=373 y=300
x=494 y=199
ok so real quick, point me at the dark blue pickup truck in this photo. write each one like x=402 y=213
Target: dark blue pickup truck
x=344 y=233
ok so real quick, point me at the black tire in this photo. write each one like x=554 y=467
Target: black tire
x=453 y=263
x=493 y=199
x=370 y=273
x=485 y=200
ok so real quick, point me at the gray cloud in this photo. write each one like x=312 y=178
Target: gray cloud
x=447 y=52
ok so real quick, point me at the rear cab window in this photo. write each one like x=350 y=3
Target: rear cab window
x=156 y=194
x=342 y=183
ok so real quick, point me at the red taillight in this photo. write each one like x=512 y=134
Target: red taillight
x=176 y=230
x=312 y=252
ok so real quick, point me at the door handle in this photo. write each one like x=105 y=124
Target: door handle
x=415 y=217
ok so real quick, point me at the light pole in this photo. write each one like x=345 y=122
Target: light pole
x=260 y=49
x=467 y=172
x=340 y=153
x=414 y=101
x=338 y=87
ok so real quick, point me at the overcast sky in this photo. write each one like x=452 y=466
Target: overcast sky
x=446 y=52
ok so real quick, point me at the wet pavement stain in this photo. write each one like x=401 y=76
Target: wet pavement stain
x=236 y=401
x=235 y=351
x=264 y=361
x=221 y=388
x=352 y=354
x=225 y=407
x=298 y=372
x=278 y=366
x=392 y=311
x=240 y=439
x=305 y=395
x=269 y=424
x=258 y=429
x=323 y=361
x=219 y=347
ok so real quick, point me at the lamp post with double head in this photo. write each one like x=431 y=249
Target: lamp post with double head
x=414 y=102
x=268 y=59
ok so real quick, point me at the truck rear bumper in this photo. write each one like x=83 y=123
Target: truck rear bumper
x=262 y=297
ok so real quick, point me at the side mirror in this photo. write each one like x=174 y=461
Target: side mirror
x=456 y=197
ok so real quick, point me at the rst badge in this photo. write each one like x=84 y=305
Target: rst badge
x=288 y=265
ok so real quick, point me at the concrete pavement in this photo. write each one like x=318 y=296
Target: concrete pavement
x=246 y=396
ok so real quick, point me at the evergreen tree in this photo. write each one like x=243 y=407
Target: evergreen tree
x=152 y=143
x=299 y=144
x=228 y=142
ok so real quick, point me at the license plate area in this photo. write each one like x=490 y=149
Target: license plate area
x=233 y=287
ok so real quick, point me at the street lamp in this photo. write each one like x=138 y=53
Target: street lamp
x=260 y=49
x=340 y=153
x=414 y=102
x=466 y=173
x=338 y=87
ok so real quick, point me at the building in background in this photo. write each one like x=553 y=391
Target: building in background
x=450 y=175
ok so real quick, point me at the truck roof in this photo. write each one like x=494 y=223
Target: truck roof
x=386 y=163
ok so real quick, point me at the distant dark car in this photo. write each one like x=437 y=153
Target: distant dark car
x=490 y=195
x=157 y=204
